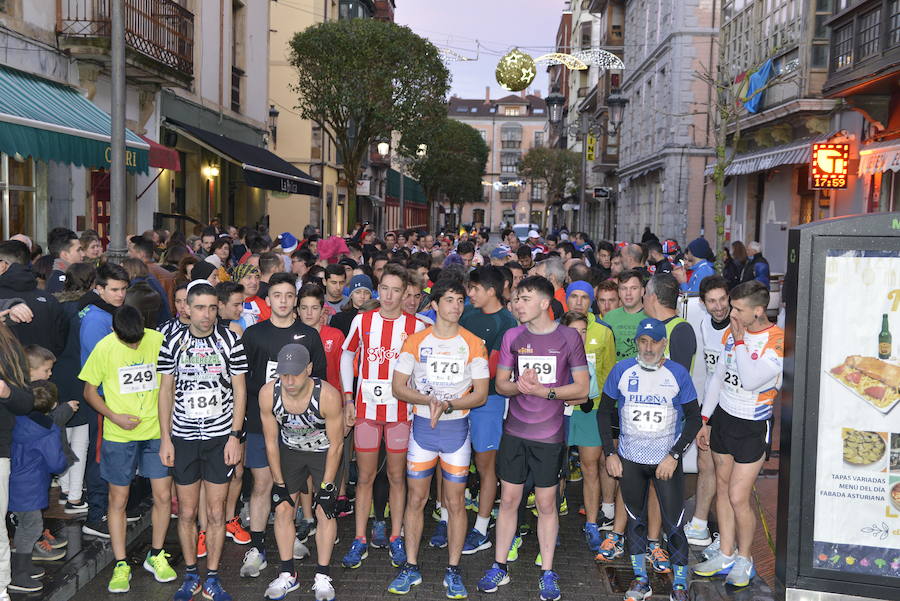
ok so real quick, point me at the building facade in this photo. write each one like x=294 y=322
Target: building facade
x=510 y=126
x=665 y=140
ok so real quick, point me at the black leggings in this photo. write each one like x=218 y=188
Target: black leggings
x=635 y=485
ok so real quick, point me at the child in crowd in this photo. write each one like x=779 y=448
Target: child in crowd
x=40 y=363
x=36 y=454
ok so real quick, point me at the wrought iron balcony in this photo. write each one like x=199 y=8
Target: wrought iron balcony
x=159 y=30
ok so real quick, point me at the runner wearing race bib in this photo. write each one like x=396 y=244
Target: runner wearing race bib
x=262 y=343
x=303 y=425
x=201 y=416
x=739 y=399
x=443 y=373
x=659 y=416
x=374 y=341
x=124 y=364
x=550 y=368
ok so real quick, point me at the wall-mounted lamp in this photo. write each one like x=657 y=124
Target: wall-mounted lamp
x=210 y=171
x=384 y=148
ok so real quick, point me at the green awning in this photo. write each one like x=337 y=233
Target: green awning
x=52 y=122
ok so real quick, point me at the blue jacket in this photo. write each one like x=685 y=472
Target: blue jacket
x=37 y=453
x=96 y=324
x=701 y=270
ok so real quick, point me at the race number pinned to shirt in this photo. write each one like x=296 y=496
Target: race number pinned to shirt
x=137 y=378
x=543 y=366
x=378 y=392
x=649 y=418
x=203 y=403
x=711 y=358
x=445 y=369
x=271 y=372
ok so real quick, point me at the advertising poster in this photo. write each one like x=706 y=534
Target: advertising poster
x=857 y=496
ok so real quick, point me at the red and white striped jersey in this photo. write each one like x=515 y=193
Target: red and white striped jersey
x=377 y=342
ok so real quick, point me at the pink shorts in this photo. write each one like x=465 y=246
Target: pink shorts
x=368 y=434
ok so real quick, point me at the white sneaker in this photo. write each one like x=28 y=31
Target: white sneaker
x=4 y=596
x=281 y=586
x=254 y=562
x=712 y=550
x=301 y=551
x=322 y=588
x=697 y=536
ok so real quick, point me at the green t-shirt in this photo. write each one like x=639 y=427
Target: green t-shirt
x=490 y=328
x=624 y=325
x=130 y=383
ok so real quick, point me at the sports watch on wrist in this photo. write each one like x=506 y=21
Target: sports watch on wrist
x=449 y=408
x=551 y=394
x=327 y=486
x=239 y=434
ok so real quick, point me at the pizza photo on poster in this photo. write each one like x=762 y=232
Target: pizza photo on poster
x=857 y=502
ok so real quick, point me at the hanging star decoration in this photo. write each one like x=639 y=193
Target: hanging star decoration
x=600 y=58
x=559 y=58
x=516 y=70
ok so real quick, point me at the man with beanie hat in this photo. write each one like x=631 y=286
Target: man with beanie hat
x=699 y=257
x=255 y=309
x=205 y=271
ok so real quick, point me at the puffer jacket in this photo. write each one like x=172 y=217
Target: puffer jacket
x=37 y=453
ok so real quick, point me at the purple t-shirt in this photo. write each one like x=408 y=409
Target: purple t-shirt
x=554 y=357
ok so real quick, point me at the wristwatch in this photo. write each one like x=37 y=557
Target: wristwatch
x=239 y=434
x=327 y=486
x=551 y=394
x=675 y=455
x=449 y=408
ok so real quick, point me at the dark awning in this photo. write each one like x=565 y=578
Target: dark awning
x=262 y=168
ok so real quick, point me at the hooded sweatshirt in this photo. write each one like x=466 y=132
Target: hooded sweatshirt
x=49 y=328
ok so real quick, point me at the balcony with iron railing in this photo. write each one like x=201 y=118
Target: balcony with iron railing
x=159 y=36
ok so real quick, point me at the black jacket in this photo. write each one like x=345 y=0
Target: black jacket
x=49 y=328
x=68 y=363
x=20 y=402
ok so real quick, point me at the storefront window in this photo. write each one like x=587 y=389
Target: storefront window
x=17 y=189
x=21 y=212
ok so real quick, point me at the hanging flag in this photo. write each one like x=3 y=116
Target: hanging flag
x=758 y=82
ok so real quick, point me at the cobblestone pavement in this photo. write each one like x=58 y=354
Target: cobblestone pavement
x=581 y=579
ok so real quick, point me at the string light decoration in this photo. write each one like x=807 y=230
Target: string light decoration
x=558 y=58
x=516 y=70
x=600 y=58
x=452 y=56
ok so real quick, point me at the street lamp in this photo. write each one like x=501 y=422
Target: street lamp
x=555 y=102
x=273 y=123
x=616 y=103
x=384 y=148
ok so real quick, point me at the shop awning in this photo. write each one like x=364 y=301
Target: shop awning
x=794 y=153
x=163 y=157
x=879 y=156
x=53 y=122
x=262 y=168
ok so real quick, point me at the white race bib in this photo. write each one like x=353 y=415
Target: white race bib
x=271 y=374
x=544 y=367
x=650 y=418
x=711 y=358
x=445 y=369
x=378 y=392
x=203 y=403
x=137 y=378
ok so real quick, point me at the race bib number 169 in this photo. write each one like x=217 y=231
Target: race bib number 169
x=543 y=366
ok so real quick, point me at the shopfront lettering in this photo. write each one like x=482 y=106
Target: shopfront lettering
x=130 y=157
x=894 y=297
x=291 y=187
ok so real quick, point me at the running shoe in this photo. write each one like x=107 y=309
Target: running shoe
x=236 y=532
x=305 y=529
x=679 y=593
x=63 y=497
x=281 y=586
x=357 y=553
x=323 y=588
x=539 y=560
x=549 y=586
x=575 y=474
x=436 y=514
x=612 y=547
x=530 y=502
x=471 y=501
x=592 y=536
x=254 y=563
x=638 y=590
x=475 y=542
x=301 y=551
x=42 y=551
x=604 y=523
x=121 y=578
x=564 y=507
x=712 y=550
x=697 y=536
x=741 y=573
x=493 y=578
x=57 y=541
x=158 y=565
x=659 y=558
x=379 y=535
x=408 y=577
x=189 y=587
x=99 y=528
x=524 y=529
x=453 y=582
x=201 y=543
x=75 y=508
x=513 y=554
x=439 y=538
x=213 y=591
x=398 y=552
x=718 y=565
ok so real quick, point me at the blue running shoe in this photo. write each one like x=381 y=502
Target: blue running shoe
x=189 y=588
x=213 y=591
x=659 y=559
x=354 y=557
x=493 y=578
x=549 y=586
x=475 y=542
x=398 y=552
x=379 y=535
x=453 y=582
x=439 y=539
x=408 y=577
x=638 y=590
x=593 y=538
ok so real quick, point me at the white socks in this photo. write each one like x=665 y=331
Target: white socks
x=698 y=523
x=609 y=510
x=445 y=515
x=481 y=524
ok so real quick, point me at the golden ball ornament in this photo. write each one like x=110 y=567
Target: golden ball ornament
x=516 y=70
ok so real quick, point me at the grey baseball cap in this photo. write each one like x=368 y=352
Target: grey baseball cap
x=292 y=360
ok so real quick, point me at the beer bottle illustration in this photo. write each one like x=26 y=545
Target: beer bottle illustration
x=884 y=339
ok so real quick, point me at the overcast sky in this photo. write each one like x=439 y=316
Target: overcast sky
x=497 y=24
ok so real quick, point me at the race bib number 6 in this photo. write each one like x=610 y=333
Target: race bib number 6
x=203 y=403
x=445 y=370
x=543 y=366
x=137 y=378
x=378 y=392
